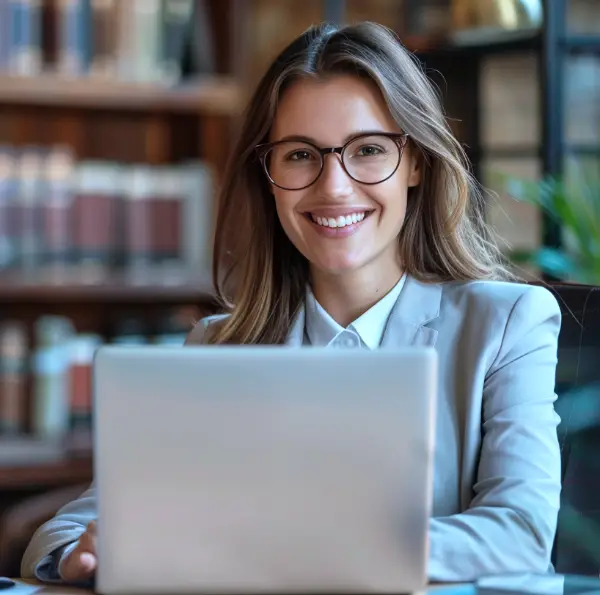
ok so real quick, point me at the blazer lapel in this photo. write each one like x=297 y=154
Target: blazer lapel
x=418 y=304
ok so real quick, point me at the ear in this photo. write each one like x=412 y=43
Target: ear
x=415 y=169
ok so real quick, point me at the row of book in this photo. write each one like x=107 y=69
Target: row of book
x=56 y=211
x=159 y=41
x=46 y=379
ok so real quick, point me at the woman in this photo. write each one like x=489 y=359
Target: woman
x=356 y=202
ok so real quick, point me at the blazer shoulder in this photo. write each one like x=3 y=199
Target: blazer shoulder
x=502 y=297
x=198 y=333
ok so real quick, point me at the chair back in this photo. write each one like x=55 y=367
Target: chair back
x=577 y=546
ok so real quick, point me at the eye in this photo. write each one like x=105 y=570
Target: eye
x=300 y=155
x=369 y=151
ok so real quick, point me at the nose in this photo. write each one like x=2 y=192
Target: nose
x=334 y=182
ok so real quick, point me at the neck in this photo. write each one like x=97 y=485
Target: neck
x=347 y=296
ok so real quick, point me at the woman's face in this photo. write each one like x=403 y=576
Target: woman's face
x=337 y=223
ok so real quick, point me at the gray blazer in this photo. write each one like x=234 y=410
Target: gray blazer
x=497 y=477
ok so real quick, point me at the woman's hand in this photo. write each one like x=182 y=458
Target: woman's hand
x=79 y=564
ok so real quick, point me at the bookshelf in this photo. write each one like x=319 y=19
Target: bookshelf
x=137 y=100
x=550 y=89
x=110 y=165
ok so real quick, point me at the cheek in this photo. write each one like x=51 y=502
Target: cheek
x=285 y=203
x=392 y=199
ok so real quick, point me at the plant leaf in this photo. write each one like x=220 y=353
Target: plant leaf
x=555 y=262
x=575 y=206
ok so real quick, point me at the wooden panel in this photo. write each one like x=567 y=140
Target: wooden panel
x=385 y=12
x=22 y=129
x=215 y=133
x=68 y=128
x=273 y=25
x=225 y=16
x=116 y=136
x=157 y=140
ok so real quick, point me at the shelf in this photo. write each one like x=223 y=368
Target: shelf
x=507 y=152
x=37 y=287
x=516 y=152
x=583 y=44
x=475 y=42
x=587 y=150
x=27 y=462
x=58 y=473
x=219 y=95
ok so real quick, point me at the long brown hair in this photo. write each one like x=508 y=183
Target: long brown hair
x=443 y=237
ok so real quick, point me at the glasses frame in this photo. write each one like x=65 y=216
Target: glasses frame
x=401 y=140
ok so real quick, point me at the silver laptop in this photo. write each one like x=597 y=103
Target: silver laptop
x=263 y=469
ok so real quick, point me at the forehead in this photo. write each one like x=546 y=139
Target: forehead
x=330 y=110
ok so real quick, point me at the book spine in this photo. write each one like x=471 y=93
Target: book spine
x=74 y=37
x=146 y=40
x=140 y=193
x=8 y=237
x=30 y=210
x=13 y=377
x=57 y=206
x=176 y=24
x=4 y=35
x=25 y=52
x=104 y=35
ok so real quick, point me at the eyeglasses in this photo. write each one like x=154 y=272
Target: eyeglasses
x=298 y=164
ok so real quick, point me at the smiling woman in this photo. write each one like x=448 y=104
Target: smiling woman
x=345 y=166
x=352 y=206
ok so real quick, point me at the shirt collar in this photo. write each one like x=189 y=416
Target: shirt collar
x=322 y=329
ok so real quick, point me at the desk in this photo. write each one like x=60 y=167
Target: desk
x=34 y=588
x=532 y=584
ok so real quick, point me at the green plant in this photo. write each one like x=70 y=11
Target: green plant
x=575 y=206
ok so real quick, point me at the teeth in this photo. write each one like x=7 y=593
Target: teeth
x=341 y=221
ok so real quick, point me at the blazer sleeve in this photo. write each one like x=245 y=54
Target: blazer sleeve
x=511 y=522
x=45 y=549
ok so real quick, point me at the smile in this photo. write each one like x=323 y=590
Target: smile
x=345 y=220
x=340 y=226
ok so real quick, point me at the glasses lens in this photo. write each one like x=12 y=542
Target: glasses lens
x=371 y=159
x=293 y=164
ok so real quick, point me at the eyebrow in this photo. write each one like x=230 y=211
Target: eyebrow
x=308 y=139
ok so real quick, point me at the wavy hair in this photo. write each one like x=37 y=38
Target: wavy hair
x=444 y=237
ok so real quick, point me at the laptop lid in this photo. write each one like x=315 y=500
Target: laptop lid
x=263 y=469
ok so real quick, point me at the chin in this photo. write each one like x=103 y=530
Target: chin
x=338 y=265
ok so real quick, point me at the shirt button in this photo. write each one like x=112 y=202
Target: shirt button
x=350 y=342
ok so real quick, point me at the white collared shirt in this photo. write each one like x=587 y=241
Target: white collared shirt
x=365 y=332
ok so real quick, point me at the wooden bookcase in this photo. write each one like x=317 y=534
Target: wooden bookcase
x=121 y=122
x=129 y=123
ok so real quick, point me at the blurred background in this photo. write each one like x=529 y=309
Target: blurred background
x=116 y=118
